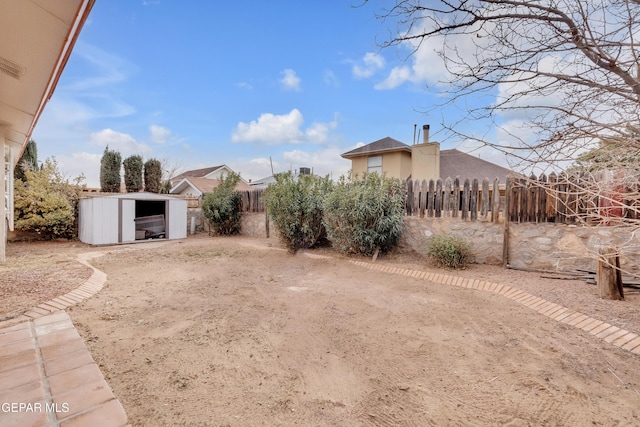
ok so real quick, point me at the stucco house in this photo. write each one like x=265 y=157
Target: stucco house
x=198 y=182
x=37 y=39
x=421 y=161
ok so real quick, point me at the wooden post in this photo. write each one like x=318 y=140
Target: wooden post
x=507 y=214
x=266 y=221
x=609 y=275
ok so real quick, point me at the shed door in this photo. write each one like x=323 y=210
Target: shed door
x=127 y=223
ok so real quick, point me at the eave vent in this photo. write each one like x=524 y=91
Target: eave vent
x=11 y=68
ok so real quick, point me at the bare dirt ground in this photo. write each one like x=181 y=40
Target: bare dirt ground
x=37 y=272
x=237 y=332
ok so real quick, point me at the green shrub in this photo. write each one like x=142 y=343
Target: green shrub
x=133 y=173
x=449 y=251
x=364 y=214
x=295 y=207
x=46 y=203
x=223 y=206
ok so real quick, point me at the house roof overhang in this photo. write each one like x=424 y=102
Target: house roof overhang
x=381 y=146
x=37 y=39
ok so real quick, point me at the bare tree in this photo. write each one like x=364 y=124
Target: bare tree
x=558 y=79
x=569 y=67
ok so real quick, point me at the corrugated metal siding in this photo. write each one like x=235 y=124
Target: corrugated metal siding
x=127 y=221
x=177 y=219
x=110 y=219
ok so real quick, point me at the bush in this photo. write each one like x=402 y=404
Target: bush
x=110 y=164
x=152 y=175
x=365 y=214
x=450 y=251
x=133 y=173
x=46 y=203
x=223 y=206
x=295 y=207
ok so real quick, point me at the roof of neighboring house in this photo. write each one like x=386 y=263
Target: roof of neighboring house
x=383 y=145
x=203 y=185
x=196 y=173
x=263 y=182
x=455 y=163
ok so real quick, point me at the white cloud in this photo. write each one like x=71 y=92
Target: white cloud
x=124 y=143
x=330 y=78
x=272 y=129
x=290 y=81
x=323 y=162
x=159 y=134
x=81 y=163
x=397 y=76
x=371 y=62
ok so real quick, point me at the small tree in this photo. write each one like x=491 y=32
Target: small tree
x=133 y=173
x=152 y=175
x=29 y=160
x=295 y=206
x=110 y=171
x=365 y=214
x=45 y=202
x=222 y=207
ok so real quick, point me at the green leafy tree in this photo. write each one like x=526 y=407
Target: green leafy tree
x=29 y=160
x=110 y=164
x=295 y=206
x=46 y=203
x=365 y=214
x=133 y=173
x=223 y=206
x=152 y=176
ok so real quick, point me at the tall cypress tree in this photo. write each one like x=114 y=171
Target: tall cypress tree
x=133 y=173
x=29 y=160
x=152 y=175
x=110 y=171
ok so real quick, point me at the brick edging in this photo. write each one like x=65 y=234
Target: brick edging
x=88 y=289
x=619 y=337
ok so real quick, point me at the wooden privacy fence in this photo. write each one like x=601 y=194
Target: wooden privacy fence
x=568 y=199
x=454 y=199
x=556 y=198
x=252 y=200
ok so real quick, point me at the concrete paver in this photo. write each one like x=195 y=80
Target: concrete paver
x=47 y=375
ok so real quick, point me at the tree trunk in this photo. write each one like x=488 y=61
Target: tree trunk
x=609 y=275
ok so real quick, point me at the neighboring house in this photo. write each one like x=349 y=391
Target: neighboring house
x=37 y=39
x=265 y=182
x=199 y=186
x=213 y=172
x=421 y=161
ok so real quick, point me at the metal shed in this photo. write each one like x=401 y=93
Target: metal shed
x=131 y=217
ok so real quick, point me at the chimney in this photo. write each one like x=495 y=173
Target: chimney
x=425 y=158
x=425 y=133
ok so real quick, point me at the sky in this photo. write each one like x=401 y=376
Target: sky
x=254 y=85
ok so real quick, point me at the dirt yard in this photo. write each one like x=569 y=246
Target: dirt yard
x=238 y=332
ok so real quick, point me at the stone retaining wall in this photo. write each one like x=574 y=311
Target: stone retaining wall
x=547 y=246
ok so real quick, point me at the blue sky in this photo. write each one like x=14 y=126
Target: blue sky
x=199 y=84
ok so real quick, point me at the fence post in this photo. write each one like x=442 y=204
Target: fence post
x=495 y=195
x=439 y=198
x=505 y=234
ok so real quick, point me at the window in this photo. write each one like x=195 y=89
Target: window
x=374 y=164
